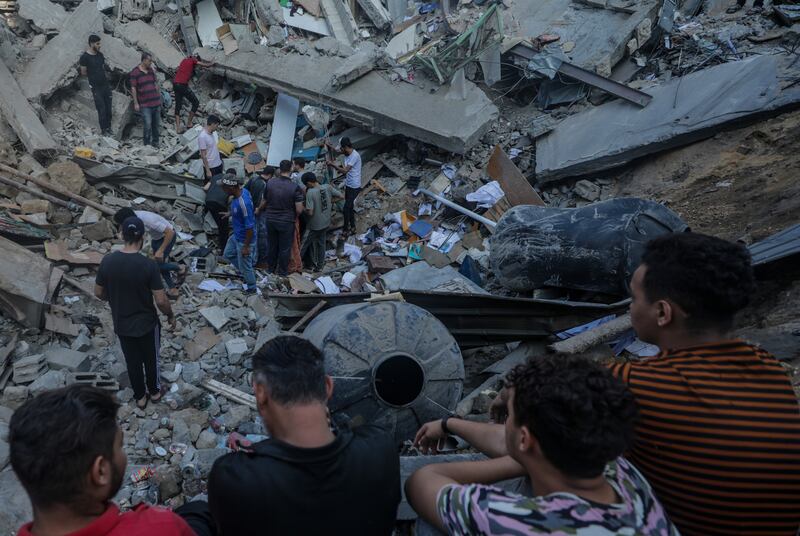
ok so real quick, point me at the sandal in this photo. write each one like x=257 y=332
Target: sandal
x=142 y=402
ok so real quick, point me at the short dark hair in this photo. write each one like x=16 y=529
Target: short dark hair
x=230 y=171
x=94 y=38
x=345 y=142
x=292 y=369
x=212 y=120
x=285 y=166
x=308 y=177
x=582 y=416
x=146 y=56
x=711 y=279
x=55 y=438
x=123 y=214
x=268 y=170
x=299 y=161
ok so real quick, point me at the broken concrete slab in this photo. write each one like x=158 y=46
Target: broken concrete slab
x=682 y=111
x=22 y=118
x=45 y=15
x=27 y=283
x=28 y=368
x=363 y=61
x=119 y=56
x=145 y=37
x=306 y=22
x=216 y=316
x=281 y=138
x=406 y=41
x=340 y=19
x=413 y=111
x=378 y=14
x=208 y=20
x=66 y=359
x=54 y=65
x=81 y=108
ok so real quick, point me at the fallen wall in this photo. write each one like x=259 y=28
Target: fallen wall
x=50 y=68
x=27 y=283
x=373 y=101
x=22 y=118
x=683 y=111
x=44 y=14
x=143 y=36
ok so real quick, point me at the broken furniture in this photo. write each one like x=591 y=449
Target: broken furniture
x=393 y=363
x=594 y=248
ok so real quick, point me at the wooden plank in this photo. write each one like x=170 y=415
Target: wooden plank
x=308 y=316
x=516 y=187
x=230 y=393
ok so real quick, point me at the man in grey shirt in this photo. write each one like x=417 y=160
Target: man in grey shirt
x=318 y=209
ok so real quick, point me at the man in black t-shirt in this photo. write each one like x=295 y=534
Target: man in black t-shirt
x=93 y=66
x=304 y=479
x=130 y=282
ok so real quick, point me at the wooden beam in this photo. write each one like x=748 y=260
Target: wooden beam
x=309 y=315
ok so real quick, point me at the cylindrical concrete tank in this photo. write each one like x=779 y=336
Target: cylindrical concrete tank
x=393 y=364
x=596 y=247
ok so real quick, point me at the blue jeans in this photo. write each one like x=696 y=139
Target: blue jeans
x=166 y=267
x=244 y=265
x=261 y=226
x=151 y=116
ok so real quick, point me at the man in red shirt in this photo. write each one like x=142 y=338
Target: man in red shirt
x=66 y=449
x=182 y=90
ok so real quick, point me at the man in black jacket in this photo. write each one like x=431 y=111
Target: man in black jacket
x=307 y=478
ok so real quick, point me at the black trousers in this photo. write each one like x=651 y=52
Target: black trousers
x=222 y=223
x=141 y=357
x=349 y=211
x=183 y=91
x=314 y=245
x=280 y=236
x=102 y=101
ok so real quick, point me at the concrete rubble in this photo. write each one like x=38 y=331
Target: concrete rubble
x=445 y=158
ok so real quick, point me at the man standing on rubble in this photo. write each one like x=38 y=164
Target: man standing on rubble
x=283 y=202
x=147 y=98
x=308 y=477
x=130 y=282
x=319 y=200
x=182 y=90
x=240 y=250
x=217 y=201
x=352 y=181
x=256 y=186
x=93 y=66
x=209 y=152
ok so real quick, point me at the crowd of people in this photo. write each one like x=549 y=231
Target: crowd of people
x=702 y=439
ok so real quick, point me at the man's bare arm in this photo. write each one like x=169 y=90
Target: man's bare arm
x=100 y=292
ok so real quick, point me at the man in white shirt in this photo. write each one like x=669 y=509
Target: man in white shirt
x=163 y=237
x=212 y=162
x=352 y=180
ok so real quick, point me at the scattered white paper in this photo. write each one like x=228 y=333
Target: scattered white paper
x=487 y=195
x=71 y=299
x=139 y=200
x=352 y=251
x=449 y=171
x=211 y=285
x=348 y=278
x=326 y=285
x=392 y=231
x=443 y=241
x=185 y=236
x=425 y=209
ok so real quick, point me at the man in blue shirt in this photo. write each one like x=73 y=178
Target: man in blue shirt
x=240 y=250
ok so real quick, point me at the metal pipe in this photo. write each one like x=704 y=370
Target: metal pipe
x=466 y=212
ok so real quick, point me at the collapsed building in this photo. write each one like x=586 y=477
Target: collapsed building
x=507 y=191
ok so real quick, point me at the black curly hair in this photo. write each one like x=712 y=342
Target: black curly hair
x=710 y=278
x=581 y=415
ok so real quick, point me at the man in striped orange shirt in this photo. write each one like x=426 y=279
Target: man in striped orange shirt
x=719 y=434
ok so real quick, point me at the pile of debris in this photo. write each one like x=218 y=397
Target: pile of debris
x=492 y=137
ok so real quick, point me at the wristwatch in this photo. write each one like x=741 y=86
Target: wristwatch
x=444 y=423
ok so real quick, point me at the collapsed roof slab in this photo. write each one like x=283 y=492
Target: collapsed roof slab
x=143 y=36
x=44 y=14
x=51 y=67
x=599 y=36
x=372 y=102
x=683 y=111
x=22 y=118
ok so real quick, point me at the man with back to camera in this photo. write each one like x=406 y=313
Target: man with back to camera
x=217 y=202
x=66 y=449
x=306 y=479
x=162 y=239
x=209 y=152
x=182 y=90
x=93 y=67
x=256 y=185
x=240 y=250
x=569 y=423
x=319 y=202
x=352 y=181
x=130 y=282
x=283 y=202
x=147 y=98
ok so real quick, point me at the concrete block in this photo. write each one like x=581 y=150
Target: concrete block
x=145 y=37
x=236 y=346
x=119 y=56
x=360 y=63
x=216 y=316
x=44 y=14
x=378 y=14
x=68 y=175
x=23 y=119
x=102 y=230
x=52 y=379
x=64 y=358
x=587 y=190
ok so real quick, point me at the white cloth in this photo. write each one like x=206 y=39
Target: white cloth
x=153 y=223
x=353 y=178
x=206 y=141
